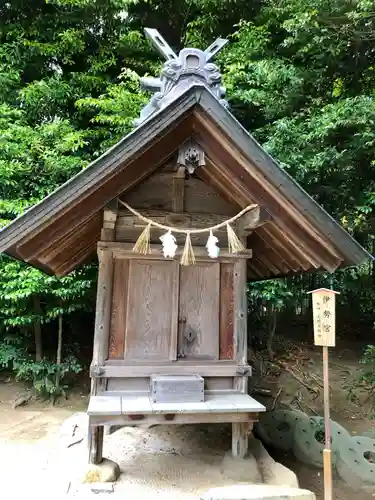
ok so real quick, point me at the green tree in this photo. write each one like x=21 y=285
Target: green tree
x=53 y=56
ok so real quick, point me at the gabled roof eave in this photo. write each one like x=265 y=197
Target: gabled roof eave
x=134 y=144
x=353 y=252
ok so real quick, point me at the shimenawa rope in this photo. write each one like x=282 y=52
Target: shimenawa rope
x=142 y=244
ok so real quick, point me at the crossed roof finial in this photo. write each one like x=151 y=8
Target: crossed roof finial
x=180 y=71
x=165 y=50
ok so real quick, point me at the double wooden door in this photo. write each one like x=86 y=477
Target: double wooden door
x=163 y=311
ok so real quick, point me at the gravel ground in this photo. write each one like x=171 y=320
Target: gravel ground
x=175 y=462
x=161 y=462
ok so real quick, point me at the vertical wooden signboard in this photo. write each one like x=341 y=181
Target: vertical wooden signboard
x=324 y=317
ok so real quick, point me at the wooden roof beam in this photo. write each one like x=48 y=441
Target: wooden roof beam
x=225 y=143
x=275 y=268
x=55 y=248
x=259 y=268
x=317 y=218
x=156 y=252
x=271 y=237
x=64 y=267
x=254 y=273
x=216 y=146
x=253 y=219
x=212 y=175
x=260 y=248
x=178 y=220
x=178 y=196
x=70 y=266
x=239 y=191
x=128 y=222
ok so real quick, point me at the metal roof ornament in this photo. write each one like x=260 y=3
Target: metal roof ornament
x=191 y=156
x=179 y=72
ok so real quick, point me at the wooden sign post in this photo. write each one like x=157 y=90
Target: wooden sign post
x=324 y=315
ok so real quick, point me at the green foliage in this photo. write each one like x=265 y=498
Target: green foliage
x=43 y=374
x=115 y=110
x=266 y=300
x=15 y=356
x=20 y=283
x=368 y=362
x=12 y=351
x=58 y=296
x=60 y=62
x=276 y=294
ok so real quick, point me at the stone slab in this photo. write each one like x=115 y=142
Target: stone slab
x=104 y=405
x=101 y=487
x=85 y=490
x=257 y=492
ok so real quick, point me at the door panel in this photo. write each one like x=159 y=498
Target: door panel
x=151 y=324
x=119 y=307
x=226 y=311
x=199 y=306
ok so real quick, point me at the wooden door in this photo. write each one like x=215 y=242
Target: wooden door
x=151 y=316
x=150 y=298
x=199 y=311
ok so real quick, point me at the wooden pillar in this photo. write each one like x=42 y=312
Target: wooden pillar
x=240 y=438
x=110 y=213
x=240 y=431
x=95 y=442
x=101 y=341
x=178 y=199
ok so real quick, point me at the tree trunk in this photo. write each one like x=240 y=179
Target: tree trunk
x=59 y=349
x=38 y=330
x=309 y=311
x=271 y=331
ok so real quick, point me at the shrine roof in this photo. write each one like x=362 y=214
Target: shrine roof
x=61 y=231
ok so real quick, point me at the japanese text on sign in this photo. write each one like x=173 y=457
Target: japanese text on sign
x=324 y=317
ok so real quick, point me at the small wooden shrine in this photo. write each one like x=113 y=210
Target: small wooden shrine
x=182 y=212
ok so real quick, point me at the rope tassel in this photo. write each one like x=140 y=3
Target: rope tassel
x=234 y=244
x=142 y=245
x=187 y=257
